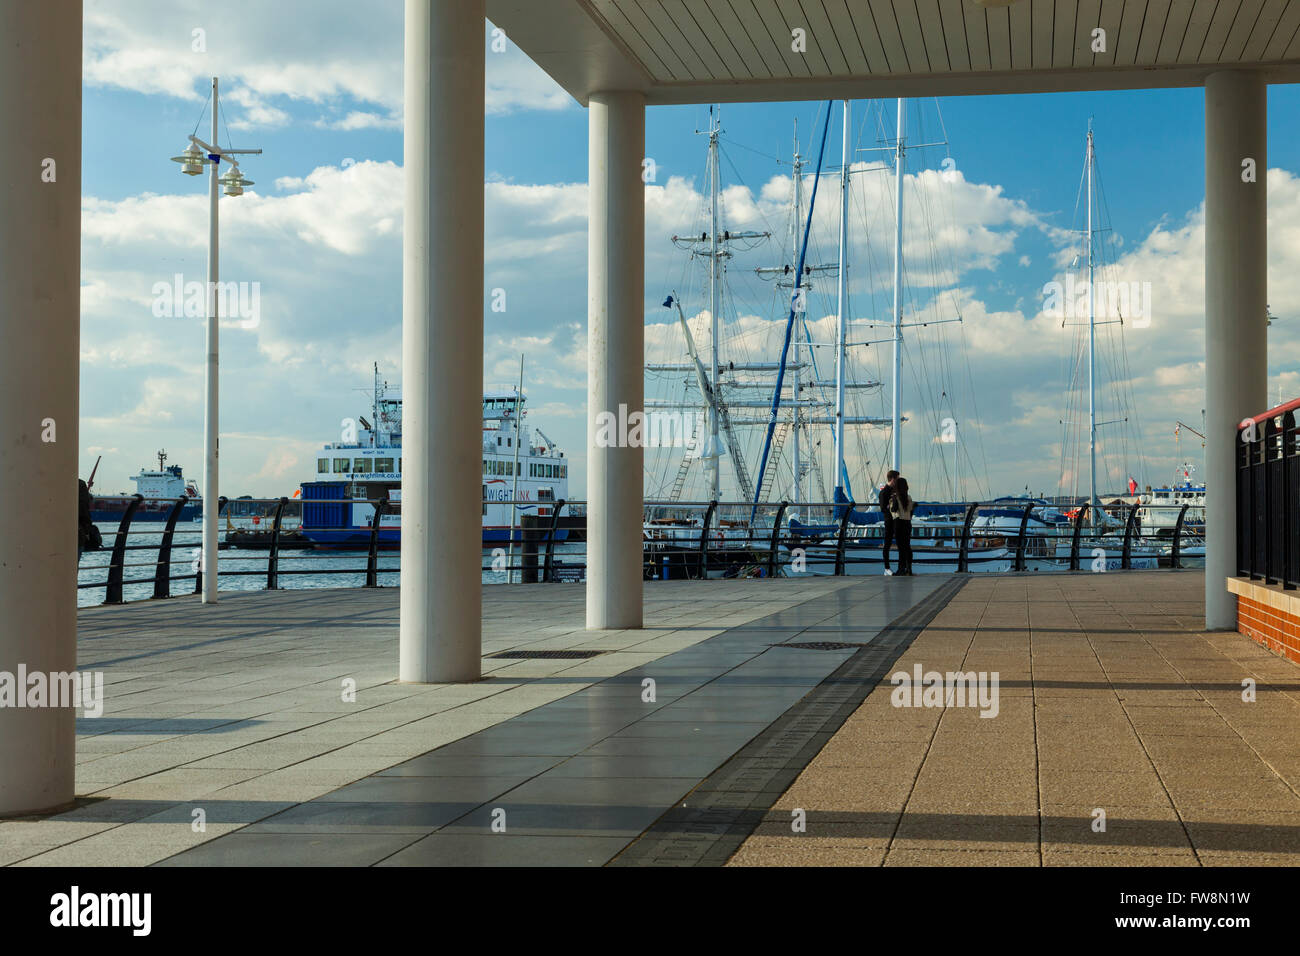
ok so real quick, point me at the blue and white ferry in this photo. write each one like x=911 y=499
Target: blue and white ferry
x=366 y=467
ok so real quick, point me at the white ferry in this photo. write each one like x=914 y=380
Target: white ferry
x=353 y=475
x=1160 y=506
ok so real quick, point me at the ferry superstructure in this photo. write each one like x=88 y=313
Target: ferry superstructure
x=354 y=474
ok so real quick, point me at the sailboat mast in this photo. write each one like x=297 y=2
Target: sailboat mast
x=896 y=447
x=715 y=460
x=798 y=286
x=1092 y=341
x=841 y=321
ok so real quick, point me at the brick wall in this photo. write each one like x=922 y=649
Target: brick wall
x=1269 y=616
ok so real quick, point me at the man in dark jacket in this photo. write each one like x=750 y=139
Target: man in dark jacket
x=88 y=536
x=886 y=493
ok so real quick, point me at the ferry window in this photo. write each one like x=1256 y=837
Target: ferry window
x=384 y=465
x=485 y=499
x=365 y=464
x=341 y=465
x=322 y=466
x=498 y=441
x=545 y=494
x=508 y=441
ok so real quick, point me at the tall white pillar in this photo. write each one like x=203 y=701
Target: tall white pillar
x=40 y=301
x=1236 y=293
x=615 y=355
x=442 y=342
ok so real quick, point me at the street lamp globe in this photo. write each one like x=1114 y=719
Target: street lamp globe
x=192 y=160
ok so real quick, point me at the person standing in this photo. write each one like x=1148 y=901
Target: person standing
x=901 y=507
x=883 y=499
x=88 y=536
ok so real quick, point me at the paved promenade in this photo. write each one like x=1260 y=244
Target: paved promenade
x=1112 y=699
x=270 y=730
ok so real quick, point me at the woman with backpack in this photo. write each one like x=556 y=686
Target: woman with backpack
x=901 y=507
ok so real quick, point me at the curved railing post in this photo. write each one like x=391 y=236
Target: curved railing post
x=372 y=556
x=1024 y=536
x=703 y=561
x=1126 y=559
x=273 y=556
x=843 y=537
x=1078 y=535
x=549 y=561
x=772 y=554
x=1176 y=552
x=113 y=594
x=963 y=549
x=162 y=575
x=198 y=575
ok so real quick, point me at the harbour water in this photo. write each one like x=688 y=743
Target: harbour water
x=328 y=566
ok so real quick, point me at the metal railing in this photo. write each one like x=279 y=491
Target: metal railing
x=681 y=540
x=1268 y=510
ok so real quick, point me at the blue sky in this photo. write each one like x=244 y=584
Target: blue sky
x=321 y=234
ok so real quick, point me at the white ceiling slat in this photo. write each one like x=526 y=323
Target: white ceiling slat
x=782 y=33
x=713 y=40
x=1112 y=12
x=1089 y=19
x=1197 y=36
x=737 y=35
x=890 y=37
x=683 y=51
x=1284 y=33
x=765 y=43
x=1062 y=16
x=977 y=39
x=998 y=22
x=954 y=31
x=1022 y=40
x=1042 y=24
x=864 y=21
x=933 y=36
x=630 y=12
x=1153 y=31
x=1286 y=39
x=1180 y=12
x=1262 y=29
x=918 y=57
x=678 y=28
x=1235 y=32
x=849 y=33
x=1124 y=41
x=822 y=36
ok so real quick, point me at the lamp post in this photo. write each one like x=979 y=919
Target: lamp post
x=195 y=156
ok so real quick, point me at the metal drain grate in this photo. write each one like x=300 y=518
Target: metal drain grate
x=822 y=646
x=548 y=655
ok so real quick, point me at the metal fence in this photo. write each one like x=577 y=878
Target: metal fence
x=1268 y=491
x=681 y=540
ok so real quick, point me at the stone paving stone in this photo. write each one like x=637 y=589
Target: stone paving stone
x=1108 y=700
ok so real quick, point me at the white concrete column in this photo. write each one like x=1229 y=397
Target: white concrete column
x=1236 y=293
x=442 y=342
x=40 y=302
x=615 y=355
